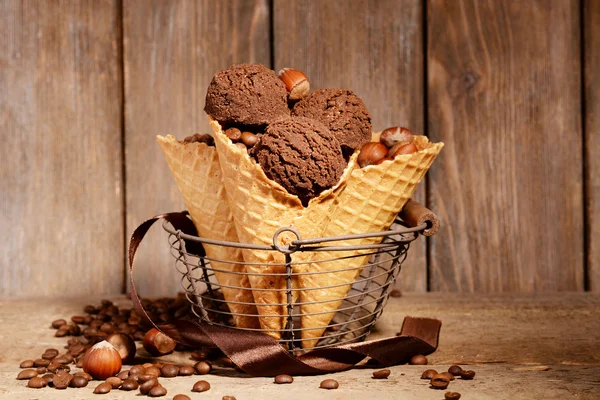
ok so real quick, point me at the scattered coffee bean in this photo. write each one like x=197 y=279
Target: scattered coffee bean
x=452 y=396
x=152 y=371
x=329 y=384
x=103 y=388
x=146 y=386
x=284 y=379
x=41 y=370
x=64 y=359
x=84 y=374
x=181 y=397
x=123 y=375
x=77 y=349
x=26 y=364
x=199 y=355
x=53 y=367
x=455 y=370
x=62 y=368
x=79 y=381
x=448 y=375
x=381 y=374
x=234 y=134
x=249 y=138
x=78 y=319
x=225 y=362
x=201 y=386
x=169 y=370
x=186 y=370
x=62 y=380
x=228 y=398
x=89 y=309
x=439 y=381
x=428 y=374
x=27 y=374
x=396 y=292
x=129 y=384
x=157 y=391
x=49 y=354
x=144 y=378
x=62 y=332
x=114 y=382
x=58 y=323
x=37 y=383
x=49 y=378
x=467 y=375
x=203 y=367
x=40 y=362
x=418 y=360
x=136 y=370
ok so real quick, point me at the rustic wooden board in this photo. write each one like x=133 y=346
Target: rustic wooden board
x=60 y=117
x=521 y=347
x=504 y=93
x=374 y=48
x=172 y=50
x=591 y=40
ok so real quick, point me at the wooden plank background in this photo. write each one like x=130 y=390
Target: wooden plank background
x=85 y=88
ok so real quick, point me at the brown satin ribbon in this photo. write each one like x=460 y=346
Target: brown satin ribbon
x=259 y=354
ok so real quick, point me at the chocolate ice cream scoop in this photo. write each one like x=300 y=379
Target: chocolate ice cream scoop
x=246 y=94
x=302 y=155
x=342 y=112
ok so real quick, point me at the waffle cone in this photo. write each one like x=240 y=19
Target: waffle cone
x=372 y=199
x=195 y=168
x=260 y=206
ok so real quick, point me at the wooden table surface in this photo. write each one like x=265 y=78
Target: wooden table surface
x=541 y=346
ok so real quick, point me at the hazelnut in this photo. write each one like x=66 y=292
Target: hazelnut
x=157 y=343
x=102 y=360
x=296 y=83
x=401 y=149
x=394 y=135
x=371 y=153
x=124 y=345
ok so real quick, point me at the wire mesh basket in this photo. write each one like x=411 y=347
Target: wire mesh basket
x=359 y=309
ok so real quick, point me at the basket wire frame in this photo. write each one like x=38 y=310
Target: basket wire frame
x=359 y=309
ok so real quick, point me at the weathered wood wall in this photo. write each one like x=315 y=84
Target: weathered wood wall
x=510 y=86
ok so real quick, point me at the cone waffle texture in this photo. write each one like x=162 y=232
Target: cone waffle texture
x=370 y=202
x=260 y=206
x=197 y=173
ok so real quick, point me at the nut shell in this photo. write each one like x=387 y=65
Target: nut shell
x=102 y=360
x=296 y=83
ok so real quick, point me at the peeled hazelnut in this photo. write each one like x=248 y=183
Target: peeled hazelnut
x=371 y=153
x=102 y=360
x=296 y=83
x=394 y=135
x=400 y=149
x=157 y=343
x=124 y=345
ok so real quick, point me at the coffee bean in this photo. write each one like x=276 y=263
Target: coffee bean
x=157 y=391
x=37 y=383
x=77 y=350
x=452 y=396
x=439 y=381
x=146 y=386
x=249 y=138
x=186 y=370
x=144 y=377
x=79 y=381
x=203 y=367
x=53 y=367
x=284 y=379
x=329 y=384
x=107 y=328
x=152 y=371
x=448 y=375
x=428 y=374
x=181 y=397
x=64 y=359
x=27 y=374
x=114 y=382
x=40 y=362
x=62 y=380
x=74 y=330
x=467 y=375
x=123 y=375
x=201 y=386
x=89 y=309
x=228 y=398
x=106 y=303
x=84 y=374
x=103 y=388
x=49 y=354
x=136 y=369
x=455 y=370
x=26 y=364
x=78 y=319
x=199 y=355
x=234 y=134
x=381 y=374
x=418 y=360
x=63 y=368
x=49 y=378
x=41 y=370
x=129 y=384
x=62 y=332
x=58 y=323
x=396 y=293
